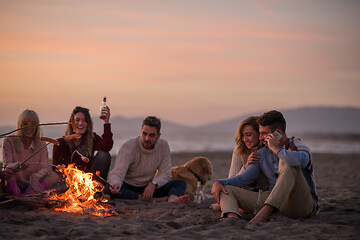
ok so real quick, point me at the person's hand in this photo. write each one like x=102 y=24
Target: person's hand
x=16 y=166
x=216 y=189
x=35 y=181
x=148 y=192
x=273 y=142
x=215 y=206
x=6 y=174
x=115 y=189
x=254 y=157
x=106 y=112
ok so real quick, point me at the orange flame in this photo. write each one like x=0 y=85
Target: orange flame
x=79 y=198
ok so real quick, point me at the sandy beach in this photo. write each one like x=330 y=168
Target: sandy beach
x=337 y=180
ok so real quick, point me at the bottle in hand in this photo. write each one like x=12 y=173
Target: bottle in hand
x=102 y=108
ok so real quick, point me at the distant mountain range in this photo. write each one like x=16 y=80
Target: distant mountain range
x=306 y=120
x=303 y=121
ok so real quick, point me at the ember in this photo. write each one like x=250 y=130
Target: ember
x=80 y=197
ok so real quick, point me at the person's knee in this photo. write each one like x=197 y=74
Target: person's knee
x=51 y=179
x=284 y=167
x=176 y=187
x=180 y=183
x=102 y=156
x=229 y=188
x=102 y=161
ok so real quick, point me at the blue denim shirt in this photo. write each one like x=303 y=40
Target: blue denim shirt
x=268 y=165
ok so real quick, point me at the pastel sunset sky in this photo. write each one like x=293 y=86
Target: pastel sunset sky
x=190 y=62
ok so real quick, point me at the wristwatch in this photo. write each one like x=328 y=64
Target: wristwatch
x=153 y=182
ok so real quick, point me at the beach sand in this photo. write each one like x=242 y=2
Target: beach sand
x=337 y=180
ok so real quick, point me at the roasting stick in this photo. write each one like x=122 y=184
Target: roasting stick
x=49 y=140
x=47 y=164
x=98 y=174
x=23 y=162
x=32 y=125
x=83 y=158
x=46 y=139
x=72 y=122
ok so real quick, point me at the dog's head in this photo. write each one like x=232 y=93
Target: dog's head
x=201 y=166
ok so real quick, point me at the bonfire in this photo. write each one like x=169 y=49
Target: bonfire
x=81 y=195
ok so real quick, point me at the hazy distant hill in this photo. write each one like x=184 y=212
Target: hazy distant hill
x=313 y=120
x=130 y=127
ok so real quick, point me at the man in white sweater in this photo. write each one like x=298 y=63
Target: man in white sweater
x=133 y=175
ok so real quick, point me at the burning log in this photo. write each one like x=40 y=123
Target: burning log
x=80 y=197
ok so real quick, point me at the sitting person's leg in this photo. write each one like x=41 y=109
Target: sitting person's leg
x=51 y=179
x=101 y=163
x=12 y=188
x=174 y=191
x=126 y=192
x=291 y=194
x=240 y=198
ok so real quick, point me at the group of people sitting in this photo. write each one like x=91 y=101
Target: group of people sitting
x=264 y=160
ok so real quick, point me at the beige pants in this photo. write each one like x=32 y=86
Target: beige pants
x=291 y=195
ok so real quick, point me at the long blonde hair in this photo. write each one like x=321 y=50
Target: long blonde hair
x=28 y=117
x=240 y=145
x=87 y=139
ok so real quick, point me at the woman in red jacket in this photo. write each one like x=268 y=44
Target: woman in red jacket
x=81 y=150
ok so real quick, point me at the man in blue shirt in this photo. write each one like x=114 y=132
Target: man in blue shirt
x=293 y=194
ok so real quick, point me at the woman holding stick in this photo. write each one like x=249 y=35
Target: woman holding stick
x=80 y=150
x=26 y=145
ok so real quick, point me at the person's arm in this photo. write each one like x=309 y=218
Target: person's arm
x=246 y=177
x=164 y=170
x=44 y=168
x=294 y=158
x=7 y=160
x=105 y=142
x=7 y=156
x=121 y=165
x=61 y=154
x=236 y=165
x=254 y=157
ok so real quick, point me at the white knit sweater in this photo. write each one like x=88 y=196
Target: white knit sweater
x=237 y=164
x=137 y=166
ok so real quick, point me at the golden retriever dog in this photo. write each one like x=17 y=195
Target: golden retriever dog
x=197 y=169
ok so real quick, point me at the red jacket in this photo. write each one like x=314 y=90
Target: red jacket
x=62 y=153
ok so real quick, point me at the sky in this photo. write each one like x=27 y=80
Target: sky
x=190 y=62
